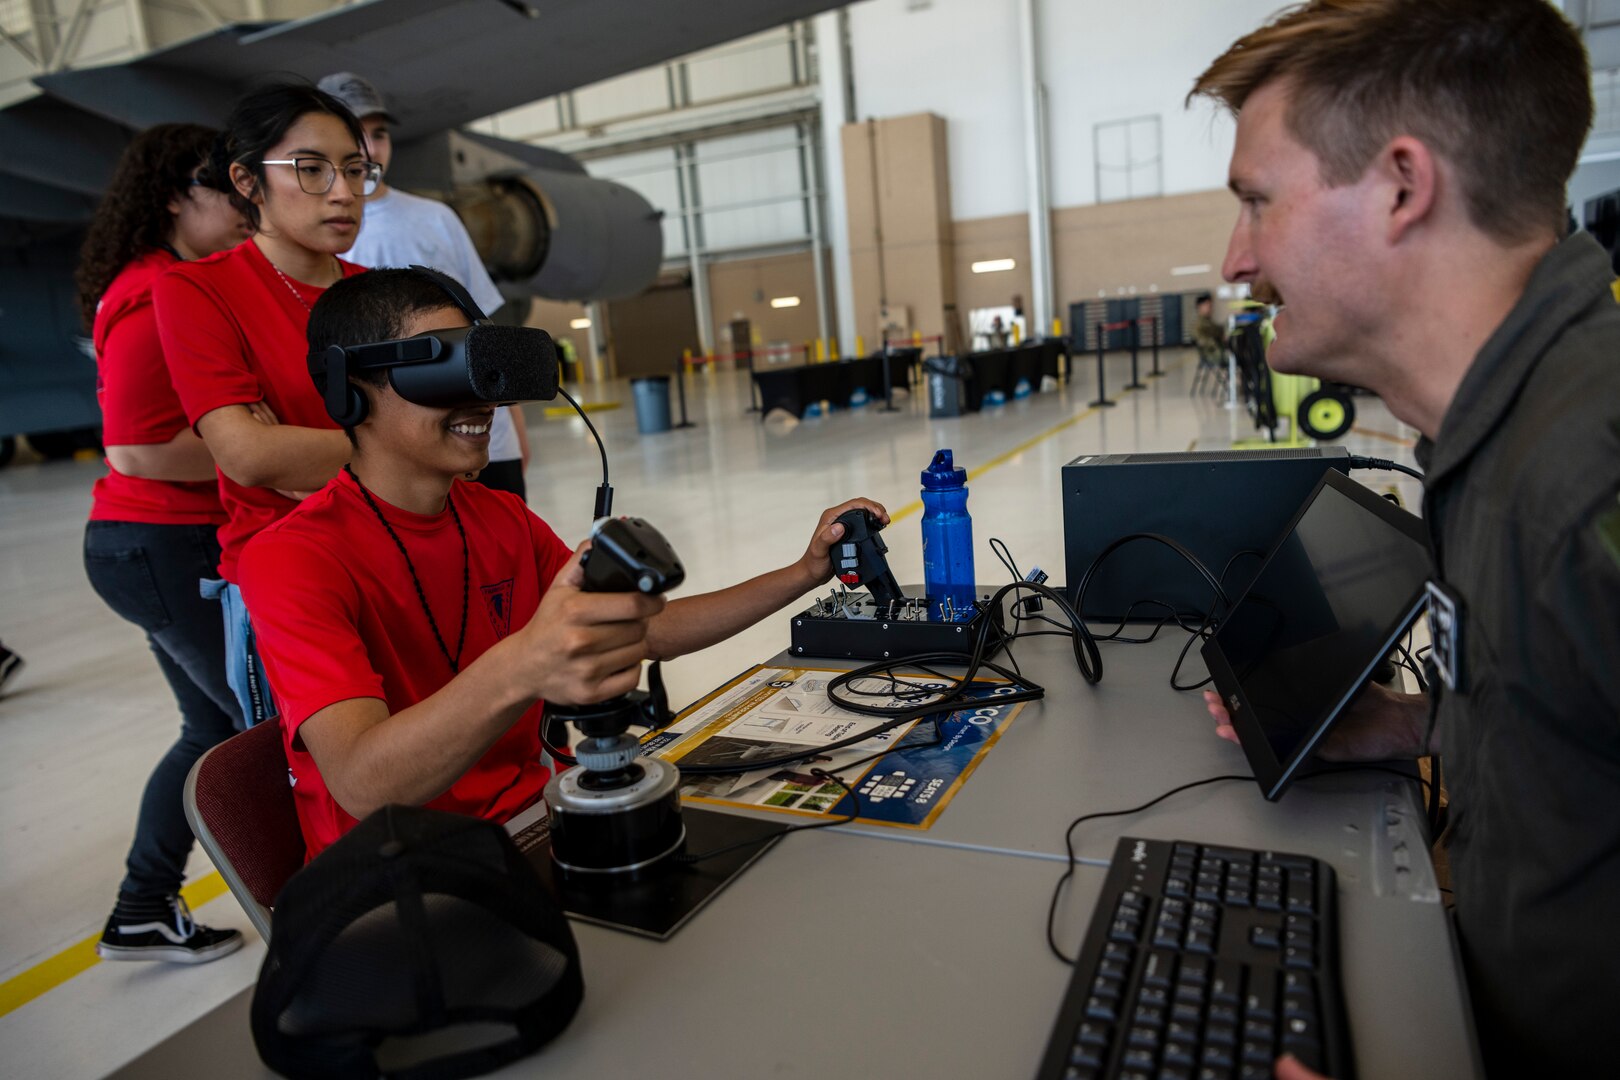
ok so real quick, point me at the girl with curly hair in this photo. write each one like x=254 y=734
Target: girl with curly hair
x=154 y=516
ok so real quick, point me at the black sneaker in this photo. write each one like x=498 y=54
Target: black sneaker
x=10 y=664
x=170 y=935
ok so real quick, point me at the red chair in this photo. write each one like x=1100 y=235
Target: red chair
x=240 y=804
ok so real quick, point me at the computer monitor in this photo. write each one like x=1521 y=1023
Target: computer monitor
x=1331 y=601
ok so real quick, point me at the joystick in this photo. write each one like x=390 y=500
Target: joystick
x=858 y=557
x=618 y=813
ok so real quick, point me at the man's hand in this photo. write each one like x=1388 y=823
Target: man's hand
x=1379 y=725
x=1289 y=1068
x=816 y=562
x=584 y=647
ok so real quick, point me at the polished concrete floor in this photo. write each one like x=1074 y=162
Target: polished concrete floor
x=89 y=715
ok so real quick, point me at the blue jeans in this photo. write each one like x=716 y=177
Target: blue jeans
x=148 y=575
x=244 y=671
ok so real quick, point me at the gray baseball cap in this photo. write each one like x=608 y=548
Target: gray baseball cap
x=357 y=93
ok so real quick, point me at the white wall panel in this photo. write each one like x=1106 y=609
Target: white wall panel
x=959 y=59
x=760 y=168
x=1102 y=61
x=752 y=65
x=639 y=92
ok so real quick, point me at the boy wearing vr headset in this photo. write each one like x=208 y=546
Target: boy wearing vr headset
x=414 y=625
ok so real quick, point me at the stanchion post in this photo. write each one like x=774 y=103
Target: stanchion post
x=680 y=386
x=1136 y=341
x=1102 y=401
x=1157 y=333
x=753 y=387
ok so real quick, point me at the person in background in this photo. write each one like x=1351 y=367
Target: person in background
x=1428 y=145
x=153 y=518
x=1209 y=335
x=996 y=338
x=232 y=326
x=402 y=229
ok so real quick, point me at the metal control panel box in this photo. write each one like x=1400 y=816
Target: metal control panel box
x=1218 y=504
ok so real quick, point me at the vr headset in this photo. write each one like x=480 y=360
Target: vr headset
x=445 y=369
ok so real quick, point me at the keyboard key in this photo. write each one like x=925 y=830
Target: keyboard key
x=1101 y=1009
x=1086 y=1057
x=1220 y=1013
x=1232 y=855
x=1264 y=937
x=1147 y=1016
x=1219 y=1055
x=1259 y=1031
x=1220 y=1035
x=1180 y=1053
x=1259 y=1053
x=1194 y=969
x=1174 y=1072
x=1200 y=941
x=1252 y=1071
x=1261 y=1002
x=1227 y=984
x=1109 y=989
x=1212 y=1072
x=1181 y=1032
x=1309 y=1051
x=1093 y=1034
x=1301 y=896
x=1291 y=862
x=1119 y=951
x=1145 y=1037
x=1296 y=957
x=1154 y=997
x=1158 y=967
x=1267 y=898
x=1080 y=1072
x=1137 y=1058
x=1186 y=1013
x=1178 y=886
x=1237 y=897
x=1122 y=931
x=1113 y=969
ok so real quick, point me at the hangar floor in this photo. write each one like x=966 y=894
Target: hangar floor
x=84 y=721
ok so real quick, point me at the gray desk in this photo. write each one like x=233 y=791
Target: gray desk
x=832 y=956
x=888 y=952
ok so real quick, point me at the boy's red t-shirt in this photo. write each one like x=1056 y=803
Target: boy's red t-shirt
x=139 y=406
x=233 y=333
x=337 y=617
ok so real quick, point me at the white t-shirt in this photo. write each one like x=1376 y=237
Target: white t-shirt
x=399 y=229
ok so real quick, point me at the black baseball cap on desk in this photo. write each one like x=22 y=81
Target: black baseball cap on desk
x=1334 y=597
x=420 y=945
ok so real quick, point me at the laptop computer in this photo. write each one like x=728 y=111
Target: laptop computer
x=1335 y=595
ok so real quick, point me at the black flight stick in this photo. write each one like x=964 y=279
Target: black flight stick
x=858 y=557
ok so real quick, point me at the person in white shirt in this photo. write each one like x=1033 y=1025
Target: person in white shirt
x=400 y=229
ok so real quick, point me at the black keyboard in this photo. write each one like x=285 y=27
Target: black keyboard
x=1204 y=963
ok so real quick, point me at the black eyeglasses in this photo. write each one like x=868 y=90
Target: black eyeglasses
x=317 y=175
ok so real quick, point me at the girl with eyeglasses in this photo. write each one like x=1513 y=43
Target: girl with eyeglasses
x=232 y=327
x=153 y=517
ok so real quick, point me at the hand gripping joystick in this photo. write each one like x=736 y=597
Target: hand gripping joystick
x=858 y=557
x=618 y=812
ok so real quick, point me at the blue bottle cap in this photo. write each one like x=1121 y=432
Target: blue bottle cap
x=942 y=474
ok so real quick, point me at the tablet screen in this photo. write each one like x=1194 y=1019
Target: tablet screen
x=1343 y=585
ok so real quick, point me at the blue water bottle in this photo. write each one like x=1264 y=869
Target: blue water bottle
x=947 y=533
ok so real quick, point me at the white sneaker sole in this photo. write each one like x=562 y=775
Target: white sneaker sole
x=177 y=954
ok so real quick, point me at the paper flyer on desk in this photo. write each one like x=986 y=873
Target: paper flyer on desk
x=771 y=711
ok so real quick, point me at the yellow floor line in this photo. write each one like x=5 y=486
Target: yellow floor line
x=47 y=975
x=554 y=411
x=20 y=989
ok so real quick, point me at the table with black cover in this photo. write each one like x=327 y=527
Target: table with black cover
x=796 y=388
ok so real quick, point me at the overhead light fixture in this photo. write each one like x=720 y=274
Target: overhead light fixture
x=991 y=266
x=784 y=301
x=580 y=324
x=1184 y=271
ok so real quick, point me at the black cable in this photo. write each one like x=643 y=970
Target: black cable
x=604 y=494
x=1357 y=461
x=1068 y=844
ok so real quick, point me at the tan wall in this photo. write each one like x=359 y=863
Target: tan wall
x=649 y=332
x=554 y=317
x=1117 y=245
x=744 y=288
x=897 y=184
x=991 y=238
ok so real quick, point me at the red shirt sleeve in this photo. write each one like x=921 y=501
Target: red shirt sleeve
x=203 y=346
x=305 y=612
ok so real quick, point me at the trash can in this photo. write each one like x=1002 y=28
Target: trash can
x=950 y=388
x=652 y=403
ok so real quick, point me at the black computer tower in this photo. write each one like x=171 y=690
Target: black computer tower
x=1216 y=504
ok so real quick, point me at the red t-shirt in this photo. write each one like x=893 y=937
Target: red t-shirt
x=139 y=406
x=233 y=333
x=337 y=618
